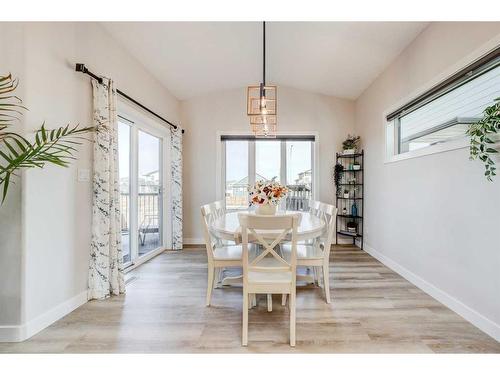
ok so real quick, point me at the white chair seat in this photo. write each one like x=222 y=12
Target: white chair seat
x=303 y=251
x=263 y=277
x=232 y=252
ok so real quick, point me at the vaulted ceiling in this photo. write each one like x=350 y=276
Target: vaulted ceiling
x=333 y=58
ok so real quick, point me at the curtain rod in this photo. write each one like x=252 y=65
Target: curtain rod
x=82 y=68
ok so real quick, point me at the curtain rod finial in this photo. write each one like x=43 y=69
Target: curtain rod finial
x=79 y=67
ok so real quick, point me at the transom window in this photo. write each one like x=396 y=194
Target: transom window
x=288 y=160
x=445 y=112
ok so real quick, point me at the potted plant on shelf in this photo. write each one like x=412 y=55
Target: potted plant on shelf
x=346 y=193
x=266 y=195
x=350 y=145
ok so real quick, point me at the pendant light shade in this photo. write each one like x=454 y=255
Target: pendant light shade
x=262 y=102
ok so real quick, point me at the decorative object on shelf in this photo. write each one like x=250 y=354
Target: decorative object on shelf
x=350 y=222
x=351 y=144
x=352 y=227
x=56 y=146
x=346 y=193
x=354 y=209
x=262 y=101
x=338 y=171
x=266 y=195
x=482 y=136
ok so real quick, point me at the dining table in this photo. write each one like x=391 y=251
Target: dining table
x=227 y=227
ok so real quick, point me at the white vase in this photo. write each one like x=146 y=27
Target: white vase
x=266 y=209
x=349 y=151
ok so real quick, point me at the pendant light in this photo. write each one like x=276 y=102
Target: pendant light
x=262 y=101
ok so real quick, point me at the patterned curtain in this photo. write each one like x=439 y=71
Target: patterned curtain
x=176 y=156
x=106 y=262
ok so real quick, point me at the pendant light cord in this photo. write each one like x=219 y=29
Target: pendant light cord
x=264 y=52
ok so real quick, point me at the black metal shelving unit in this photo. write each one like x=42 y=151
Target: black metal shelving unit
x=356 y=196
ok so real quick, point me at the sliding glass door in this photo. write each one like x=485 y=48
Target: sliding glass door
x=142 y=180
x=149 y=200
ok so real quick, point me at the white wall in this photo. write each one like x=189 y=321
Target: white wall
x=226 y=111
x=56 y=209
x=433 y=218
x=10 y=212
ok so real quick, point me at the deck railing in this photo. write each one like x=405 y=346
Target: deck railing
x=147 y=206
x=297 y=199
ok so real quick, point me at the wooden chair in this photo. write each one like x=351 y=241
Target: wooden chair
x=318 y=253
x=219 y=255
x=269 y=273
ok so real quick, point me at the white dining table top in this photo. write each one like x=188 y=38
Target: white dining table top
x=228 y=225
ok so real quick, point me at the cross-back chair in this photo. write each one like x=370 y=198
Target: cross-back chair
x=219 y=255
x=269 y=272
x=317 y=254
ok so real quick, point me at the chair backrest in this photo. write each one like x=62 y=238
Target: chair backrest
x=328 y=213
x=209 y=213
x=314 y=207
x=269 y=231
x=220 y=208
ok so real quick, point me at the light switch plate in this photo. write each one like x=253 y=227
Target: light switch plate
x=83 y=175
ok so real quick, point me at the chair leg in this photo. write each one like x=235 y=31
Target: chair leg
x=326 y=281
x=292 y=317
x=244 y=335
x=269 y=302
x=210 y=284
x=283 y=299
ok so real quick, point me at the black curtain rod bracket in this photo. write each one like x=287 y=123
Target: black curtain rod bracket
x=83 y=69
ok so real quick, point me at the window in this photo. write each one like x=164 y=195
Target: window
x=444 y=113
x=288 y=160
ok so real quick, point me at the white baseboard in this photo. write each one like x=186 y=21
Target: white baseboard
x=193 y=241
x=483 y=323
x=23 y=332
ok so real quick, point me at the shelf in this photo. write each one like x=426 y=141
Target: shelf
x=342 y=156
x=352 y=170
x=350 y=234
x=350 y=216
x=350 y=184
x=349 y=198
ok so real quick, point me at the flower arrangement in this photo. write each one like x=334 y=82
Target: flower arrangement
x=266 y=193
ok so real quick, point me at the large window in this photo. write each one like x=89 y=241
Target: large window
x=288 y=160
x=444 y=112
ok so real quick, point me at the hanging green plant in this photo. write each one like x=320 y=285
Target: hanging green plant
x=338 y=171
x=55 y=146
x=482 y=136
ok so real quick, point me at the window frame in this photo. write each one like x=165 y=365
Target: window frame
x=220 y=164
x=391 y=149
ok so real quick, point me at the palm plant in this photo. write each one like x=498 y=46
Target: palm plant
x=55 y=146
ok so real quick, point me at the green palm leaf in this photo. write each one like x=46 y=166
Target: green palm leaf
x=56 y=146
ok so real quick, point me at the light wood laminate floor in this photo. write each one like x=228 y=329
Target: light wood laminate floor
x=373 y=310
